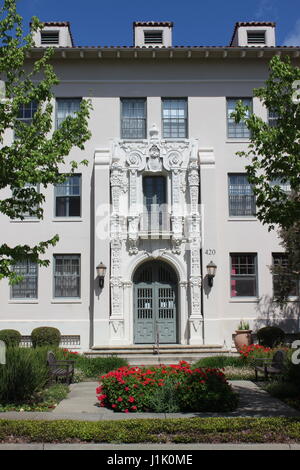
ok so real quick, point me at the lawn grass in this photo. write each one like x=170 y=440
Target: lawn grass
x=183 y=430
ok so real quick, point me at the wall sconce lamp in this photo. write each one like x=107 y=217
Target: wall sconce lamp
x=101 y=270
x=211 y=272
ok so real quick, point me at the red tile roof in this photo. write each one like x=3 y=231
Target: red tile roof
x=153 y=23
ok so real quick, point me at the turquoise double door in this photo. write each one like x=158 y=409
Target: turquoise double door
x=155 y=301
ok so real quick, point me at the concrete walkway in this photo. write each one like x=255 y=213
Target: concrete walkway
x=81 y=404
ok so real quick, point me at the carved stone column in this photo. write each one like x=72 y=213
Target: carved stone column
x=173 y=163
x=195 y=280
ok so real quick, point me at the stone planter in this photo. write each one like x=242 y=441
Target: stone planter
x=242 y=338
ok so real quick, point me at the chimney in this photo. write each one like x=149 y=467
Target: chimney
x=54 y=34
x=152 y=33
x=254 y=34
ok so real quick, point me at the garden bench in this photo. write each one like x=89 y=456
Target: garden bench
x=271 y=367
x=60 y=368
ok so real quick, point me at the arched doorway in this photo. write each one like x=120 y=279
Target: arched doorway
x=155 y=304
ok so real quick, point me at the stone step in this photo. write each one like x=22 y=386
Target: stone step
x=151 y=352
x=162 y=347
x=168 y=354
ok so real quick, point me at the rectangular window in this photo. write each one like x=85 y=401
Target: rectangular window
x=272 y=118
x=243 y=282
x=67 y=276
x=153 y=37
x=133 y=118
x=25 y=115
x=49 y=37
x=66 y=107
x=241 y=197
x=256 y=37
x=36 y=187
x=237 y=130
x=68 y=197
x=27 y=288
x=155 y=215
x=284 y=280
x=174 y=117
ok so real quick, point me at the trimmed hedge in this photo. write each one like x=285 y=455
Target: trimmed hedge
x=10 y=337
x=219 y=362
x=185 y=430
x=270 y=336
x=45 y=336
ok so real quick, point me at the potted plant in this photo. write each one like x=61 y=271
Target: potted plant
x=242 y=335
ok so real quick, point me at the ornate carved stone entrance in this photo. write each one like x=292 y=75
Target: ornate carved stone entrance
x=155 y=306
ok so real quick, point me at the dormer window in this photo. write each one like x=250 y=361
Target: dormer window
x=153 y=37
x=256 y=37
x=49 y=37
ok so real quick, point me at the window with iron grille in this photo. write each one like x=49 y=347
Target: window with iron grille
x=49 y=37
x=153 y=37
x=284 y=280
x=36 y=188
x=133 y=118
x=241 y=197
x=243 y=275
x=272 y=118
x=68 y=197
x=27 y=288
x=237 y=130
x=25 y=115
x=284 y=185
x=66 y=107
x=174 y=118
x=67 y=276
x=256 y=37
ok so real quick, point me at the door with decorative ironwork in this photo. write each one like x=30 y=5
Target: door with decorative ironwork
x=155 y=300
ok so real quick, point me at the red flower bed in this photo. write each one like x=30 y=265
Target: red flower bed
x=254 y=350
x=130 y=389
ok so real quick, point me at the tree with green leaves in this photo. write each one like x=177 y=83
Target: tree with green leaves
x=274 y=168
x=35 y=155
x=274 y=150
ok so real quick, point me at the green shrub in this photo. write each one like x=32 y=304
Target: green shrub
x=164 y=399
x=10 y=337
x=24 y=374
x=293 y=373
x=95 y=366
x=45 y=335
x=132 y=389
x=212 y=393
x=219 y=362
x=270 y=336
x=282 y=390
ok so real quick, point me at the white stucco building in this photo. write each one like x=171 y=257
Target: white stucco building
x=163 y=195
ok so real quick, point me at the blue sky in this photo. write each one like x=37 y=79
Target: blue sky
x=196 y=22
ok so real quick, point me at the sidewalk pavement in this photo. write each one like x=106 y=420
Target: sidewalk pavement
x=81 y=405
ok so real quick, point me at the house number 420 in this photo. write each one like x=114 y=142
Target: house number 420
x=210 y=252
